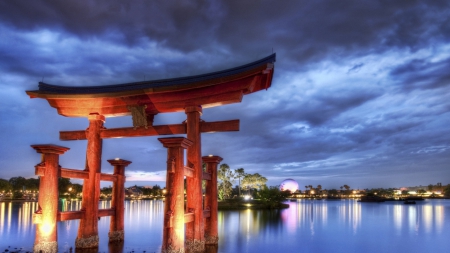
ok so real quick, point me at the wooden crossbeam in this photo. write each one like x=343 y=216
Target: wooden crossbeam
x=71 y=173
x=206 y=176
x=206 y=213
x=71 y=215
x=205 y=127
x=82 y=174
x=188 y=172
x=106 y=212
x=108 y=177
x=188 y=217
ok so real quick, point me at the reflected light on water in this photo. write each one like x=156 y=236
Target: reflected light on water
x=439 y=218
x=345 y=225
x=350 y=214
x=397 y=217
x=2 y=217
x=428 y=218
x=9 y=217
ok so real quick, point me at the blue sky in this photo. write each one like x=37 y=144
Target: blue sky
x=360 y=95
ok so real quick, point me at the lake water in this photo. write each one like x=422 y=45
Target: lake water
x=306 y=226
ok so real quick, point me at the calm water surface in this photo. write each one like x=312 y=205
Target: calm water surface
x=307 y=226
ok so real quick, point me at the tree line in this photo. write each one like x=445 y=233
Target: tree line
x=20 y=186
x=250 y=184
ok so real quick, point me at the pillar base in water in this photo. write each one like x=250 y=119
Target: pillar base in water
x=209 y=239
x=116 y=236
x=171 y=250
x=195 y=245
x=84 y=243
x=47 y=247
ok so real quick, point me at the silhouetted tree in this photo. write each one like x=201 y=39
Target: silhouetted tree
x=63 y=185
x=447 y=191
x=240 y=173
x=272 y=195
x=17 y=183
x=5 y=185
x=225 y=177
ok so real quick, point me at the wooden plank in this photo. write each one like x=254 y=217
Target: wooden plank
x=206 y=213
x=72 y=215
x=206 y=176
x=71 y=173
x=141 y=131
x=39 y=171
x=205 y=127
x=188 y=172
x=106 y=212
x=72 y=135
x=108 y=177
x=220 y=126
x=188 y=217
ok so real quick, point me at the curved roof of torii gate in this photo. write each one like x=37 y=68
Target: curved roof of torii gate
x=160 y=96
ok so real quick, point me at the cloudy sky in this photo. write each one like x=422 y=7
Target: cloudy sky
x=360 y=95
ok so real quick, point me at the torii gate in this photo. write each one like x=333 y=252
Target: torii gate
x=144 y=100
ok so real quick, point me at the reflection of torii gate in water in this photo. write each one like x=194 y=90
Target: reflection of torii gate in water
x=144 y=100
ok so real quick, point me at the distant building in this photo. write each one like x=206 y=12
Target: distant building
x=289 y=185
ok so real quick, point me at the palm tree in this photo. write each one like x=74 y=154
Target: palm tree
x=239 y=173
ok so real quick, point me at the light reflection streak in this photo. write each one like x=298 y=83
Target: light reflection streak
x=2 y=217
x=356 y=216
x=428 y=218
x=439 y=218
x=397 y=217
x=247 y=231
x=19 y=223
x=412 y=216
x=9 y=217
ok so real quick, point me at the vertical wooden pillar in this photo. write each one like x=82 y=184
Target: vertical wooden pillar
x=173 y=228
x=116 y=227
x=195 y=239
x=46 y=217
x=211 y=227
x=88 y=230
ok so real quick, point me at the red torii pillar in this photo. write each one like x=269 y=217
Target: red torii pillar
x=195 y=239
x=116 y=228
x=211 y=226
x=88 y=230
x=173 y=228
x=46 y=217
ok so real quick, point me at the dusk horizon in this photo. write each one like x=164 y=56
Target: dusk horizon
x=359 y=96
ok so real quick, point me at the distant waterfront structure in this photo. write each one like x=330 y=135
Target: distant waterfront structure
x=289 y=184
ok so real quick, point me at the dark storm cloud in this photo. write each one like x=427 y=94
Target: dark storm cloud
x=301 y=31
x=423 y=74
x=359 y=92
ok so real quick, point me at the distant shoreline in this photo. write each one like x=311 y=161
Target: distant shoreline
x=223 y=206
x=18 y=200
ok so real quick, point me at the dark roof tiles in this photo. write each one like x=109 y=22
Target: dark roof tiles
x=57 y=89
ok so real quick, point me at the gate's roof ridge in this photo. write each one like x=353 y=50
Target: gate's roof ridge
x=161 y=83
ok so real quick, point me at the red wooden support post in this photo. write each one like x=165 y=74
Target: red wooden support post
x=88 y=230
x=195 y=239
x=211 y=227
x=46 y=217
x=116 y=228
x=173 y=228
